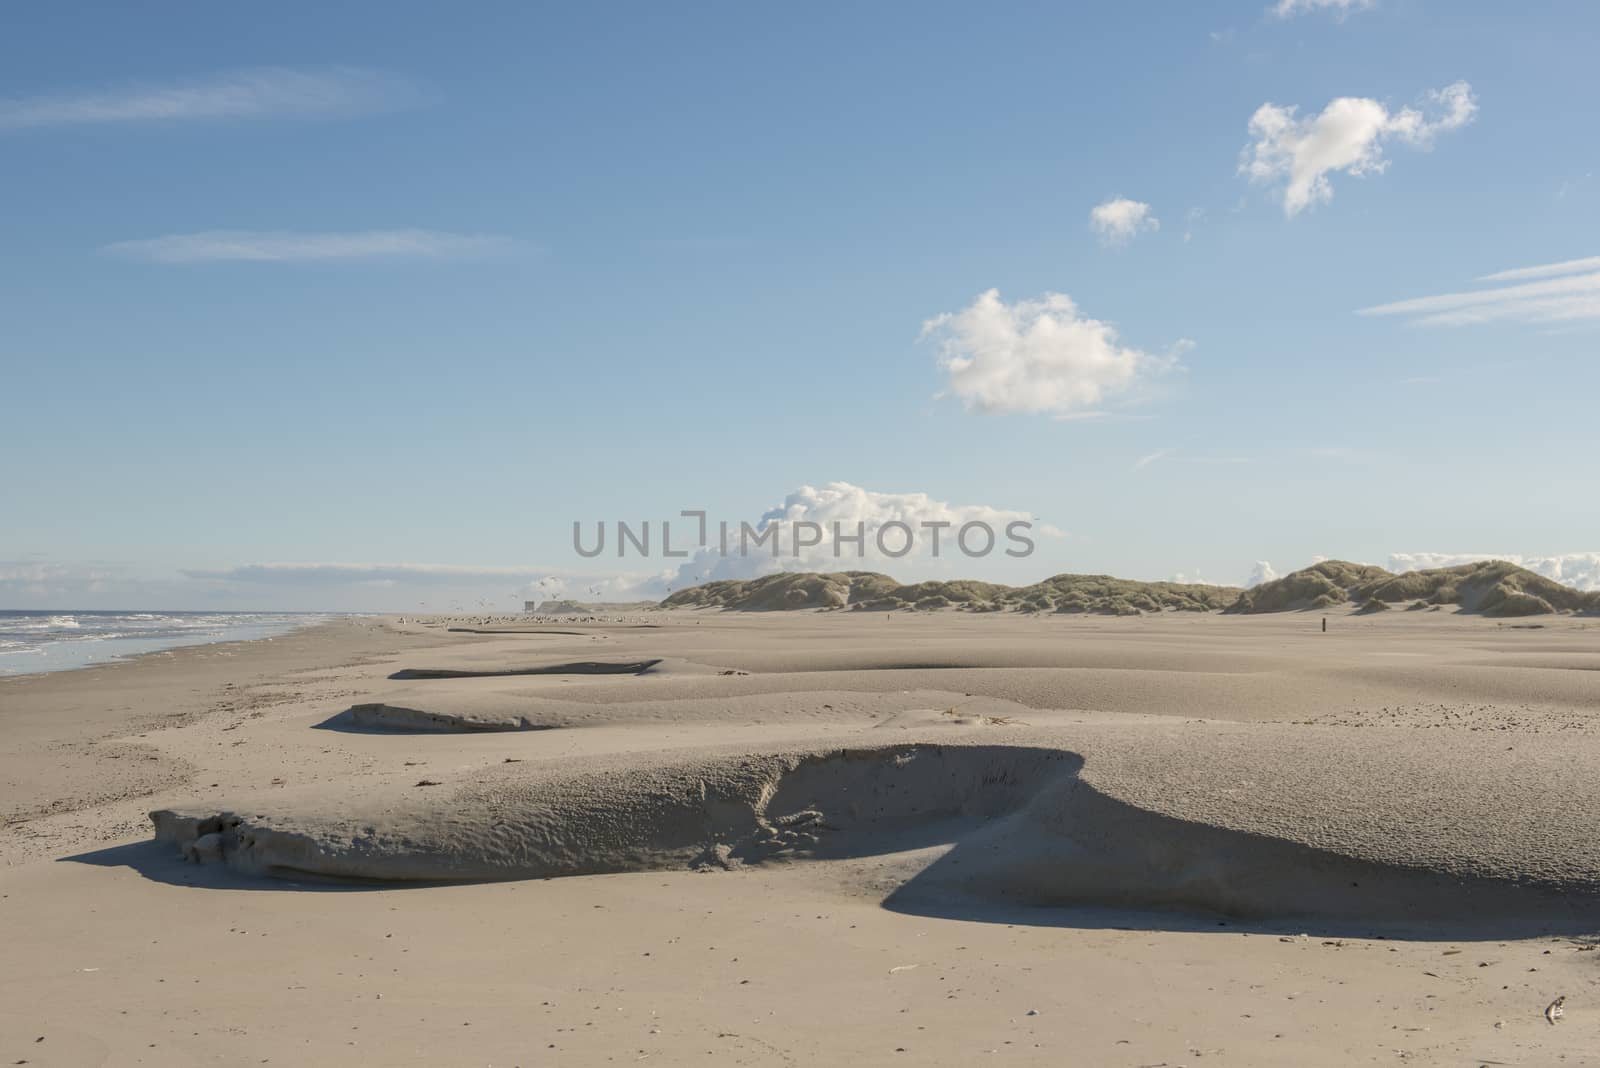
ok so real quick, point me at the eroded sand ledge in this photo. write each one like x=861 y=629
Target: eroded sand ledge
x=1035 y=820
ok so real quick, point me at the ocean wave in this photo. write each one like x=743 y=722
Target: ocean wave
x=76 y=639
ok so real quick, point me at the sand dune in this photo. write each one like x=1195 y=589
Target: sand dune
x=868 y=590
x=1150 y=819
x=1491 y=587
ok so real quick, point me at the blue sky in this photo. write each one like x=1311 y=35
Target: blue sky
x=376 y=284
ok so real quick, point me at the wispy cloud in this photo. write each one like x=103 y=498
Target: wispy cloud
x=1348 y=137
x=258 y=93
x=1180 y=456
x=1152 y=457
x=1588 y=263
x=371 y=574
x=286 y=247
x=1565 y=292
x=1288 y=9
x=403 y=586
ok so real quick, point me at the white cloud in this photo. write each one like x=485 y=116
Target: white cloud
x=1260 y=573
x=1545 y=270
x=1152 y=457
x=1563 y=292
x=1579 y=570
x=39 y=580
x=1347 y=137
x=1037 y=356
x=1206 y=459
x=1288 y=9
x=408 y=586
x=268 y=92
x=1185 y=578
x=285 y=247
x=1120 y=220
x=333 y=574
x=849 y=505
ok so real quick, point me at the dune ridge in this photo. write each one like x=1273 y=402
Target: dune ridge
x=872 y=591
x=1489 y=587
x=1032 y=818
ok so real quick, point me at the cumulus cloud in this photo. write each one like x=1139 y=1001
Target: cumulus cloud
x=267 y=92
x=1120 y=220
x=1261 y=572
x=1037 y=356
x=1581 y=571
x=1564 y=292
x=809 y=509
x=285 y=247
x=1348 y=137
x=802 y=529
x=1288 y=9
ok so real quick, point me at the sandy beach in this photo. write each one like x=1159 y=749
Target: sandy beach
x=797 y=838
x=807 y=535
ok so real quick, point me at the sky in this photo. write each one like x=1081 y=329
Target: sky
x=363 y=306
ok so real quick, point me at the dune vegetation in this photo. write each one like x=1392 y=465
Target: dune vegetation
x=872 y=591
x=1489 y=587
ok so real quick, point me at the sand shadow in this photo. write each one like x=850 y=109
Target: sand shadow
x=513 y=631
x=1558 y=920
x=161 y=862
x=968 y=883
x=581 y=667
x=376 y=719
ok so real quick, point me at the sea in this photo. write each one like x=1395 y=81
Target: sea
x=34 y=641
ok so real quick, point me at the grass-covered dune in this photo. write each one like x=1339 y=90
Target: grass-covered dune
x=869 y=590
x=1489 y=587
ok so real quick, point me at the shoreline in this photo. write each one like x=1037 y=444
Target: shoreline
x=80 y=652
x=80 y=738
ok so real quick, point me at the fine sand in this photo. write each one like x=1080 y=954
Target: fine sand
x=812 y=837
